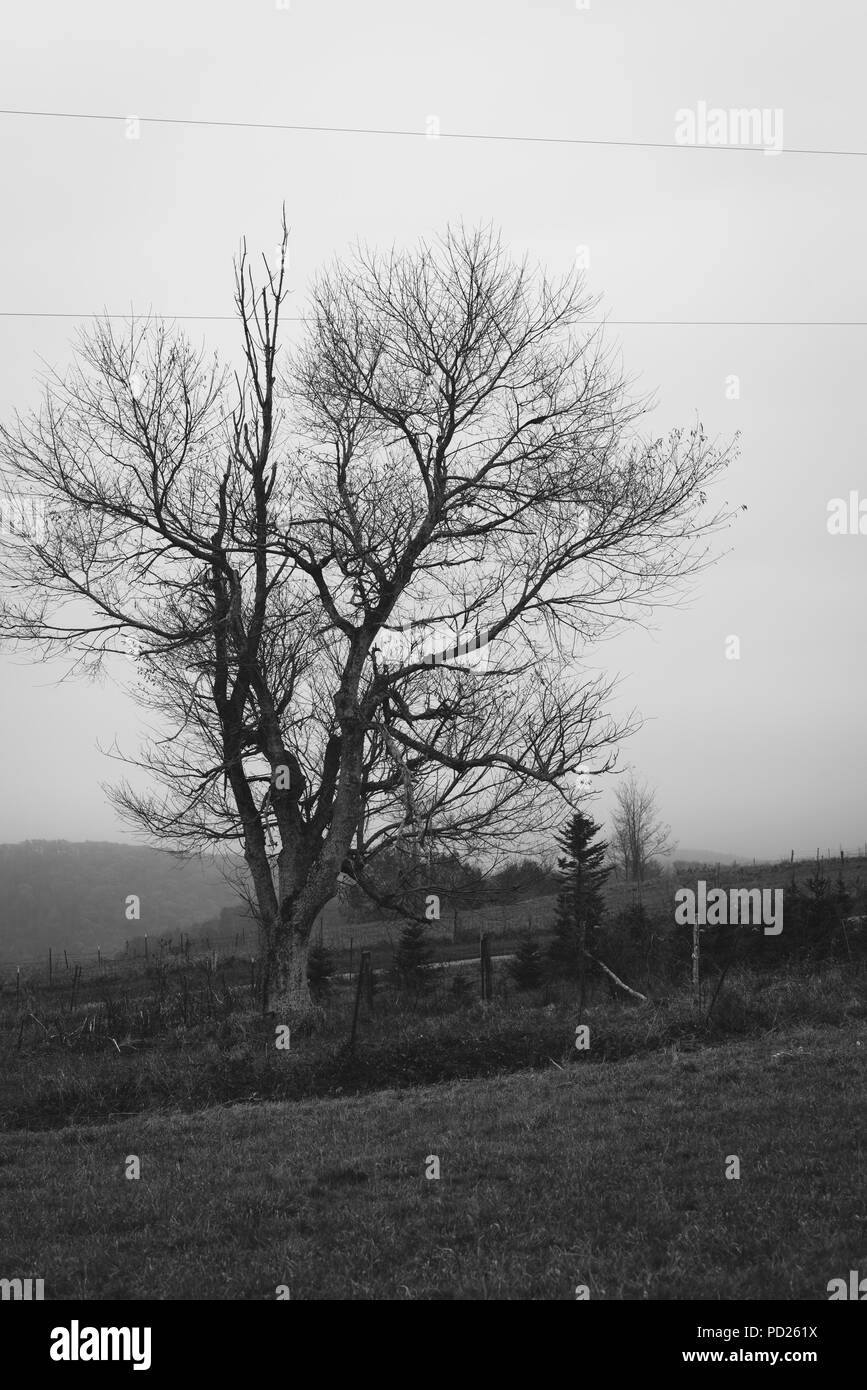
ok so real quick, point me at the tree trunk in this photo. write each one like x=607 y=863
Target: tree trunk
x=286 y=993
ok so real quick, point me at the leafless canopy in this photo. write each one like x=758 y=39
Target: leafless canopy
x=639 y=834
x=300 y=548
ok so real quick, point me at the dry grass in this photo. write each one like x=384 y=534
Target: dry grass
x=611 y=1176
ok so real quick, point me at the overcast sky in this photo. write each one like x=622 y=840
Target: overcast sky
x=754 y=755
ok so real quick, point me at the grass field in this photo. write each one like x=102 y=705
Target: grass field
x=610 y=1176
x=305 y=1167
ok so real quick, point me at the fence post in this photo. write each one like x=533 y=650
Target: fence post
x=485 y=966
x=66 y=959
x=367 y=976
x=98 y=959
x=355 y=1010
x=696 y=977
x=146 y=945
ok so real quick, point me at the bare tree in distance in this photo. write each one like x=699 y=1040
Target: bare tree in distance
x=638 y=835
x=448 y=450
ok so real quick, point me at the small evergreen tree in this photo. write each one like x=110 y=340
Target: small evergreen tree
x=410 y=958
x=462 y=989
x=580 y=902
x=824 y=903
x=320 y=966
x=526 y=968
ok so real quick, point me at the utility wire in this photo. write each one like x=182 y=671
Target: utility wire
x=421 y=134
x=614 y=323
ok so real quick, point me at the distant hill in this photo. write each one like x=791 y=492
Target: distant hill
x=705 y=856
x=70 y=895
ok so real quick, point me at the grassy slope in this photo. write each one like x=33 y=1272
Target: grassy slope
x=609 y=1175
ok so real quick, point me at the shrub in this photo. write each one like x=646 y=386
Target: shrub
x=320 y=966
x=462 y=989
x=409 y=959
x=526 y=968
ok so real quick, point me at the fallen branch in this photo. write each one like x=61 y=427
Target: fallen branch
x=611 y=975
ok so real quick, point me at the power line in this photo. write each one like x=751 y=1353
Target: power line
x=49 y=314
x=613 y=323
x=420 y=134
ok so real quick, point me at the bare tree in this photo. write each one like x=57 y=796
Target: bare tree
x=359 y=578
x=638 y=834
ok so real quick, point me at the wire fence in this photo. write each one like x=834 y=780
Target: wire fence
x=455 y=925
x=55 y=963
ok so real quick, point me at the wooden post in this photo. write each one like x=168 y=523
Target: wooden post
x=696 y=977
x=485 y=966
x=367 y=976
x=98 y=959
x=355 y=1010
x=146 y=945
x=66 y=959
